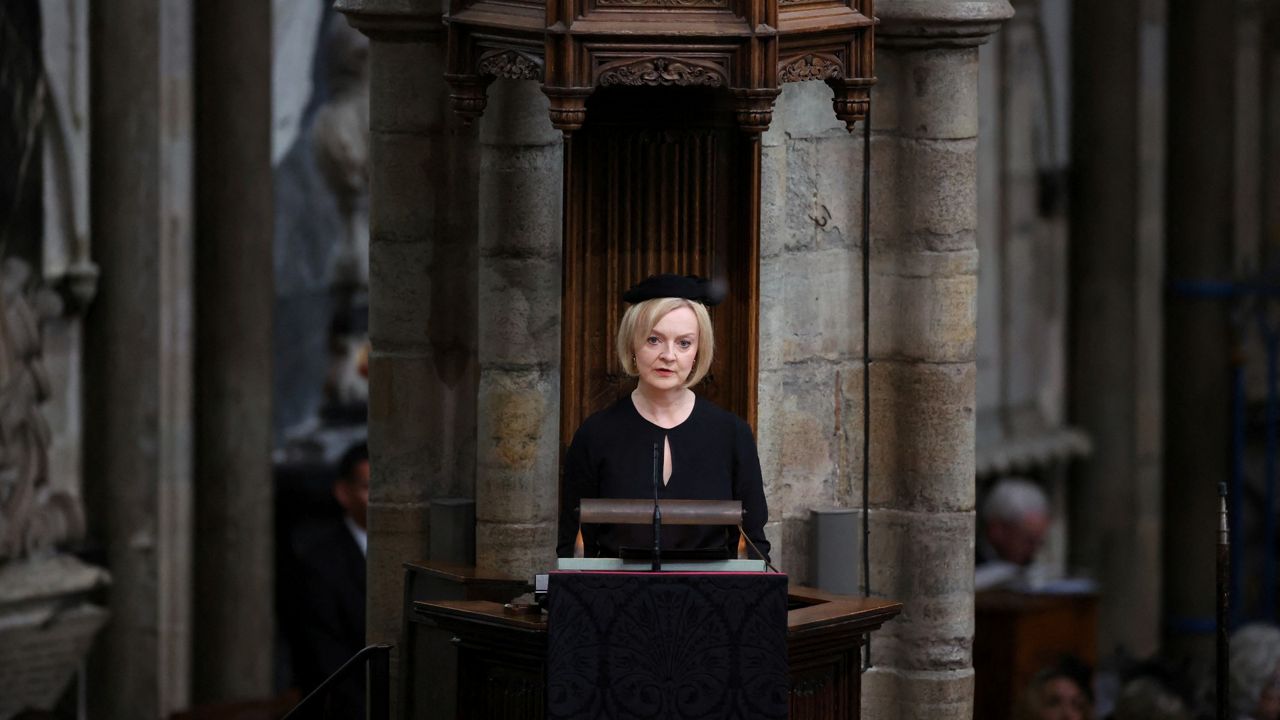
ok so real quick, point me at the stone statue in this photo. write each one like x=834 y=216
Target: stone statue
x=35 y=516
x=340 y=138
x=47 y=616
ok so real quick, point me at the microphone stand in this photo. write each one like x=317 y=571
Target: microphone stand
x=657 y=513
x=1224 y=604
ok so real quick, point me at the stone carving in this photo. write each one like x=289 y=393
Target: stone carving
x=341 y=142
x=810 y=67
x=661 y=71
x=66 y=258
x=510 y=64
x=35 y=516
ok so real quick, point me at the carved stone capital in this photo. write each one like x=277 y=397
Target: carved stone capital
x=939 y=23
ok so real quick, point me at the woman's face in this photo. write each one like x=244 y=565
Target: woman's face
x=665 y=356
x=1269 y=702
x=1062 y=699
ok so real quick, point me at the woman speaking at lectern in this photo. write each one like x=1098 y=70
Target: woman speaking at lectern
x=707 y=453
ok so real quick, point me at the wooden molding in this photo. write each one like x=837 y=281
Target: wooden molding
x=747 y=46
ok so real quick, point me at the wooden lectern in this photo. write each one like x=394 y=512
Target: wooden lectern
x=501 y=654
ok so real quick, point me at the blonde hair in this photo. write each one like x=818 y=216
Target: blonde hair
x=640 y=318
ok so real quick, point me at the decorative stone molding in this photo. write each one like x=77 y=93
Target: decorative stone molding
x=661 y=71
x=46 y=628
x=385 y=19
x=35 y=516
x=939 y=23
x=510 y=64
x=67 y=265
x=811 y=66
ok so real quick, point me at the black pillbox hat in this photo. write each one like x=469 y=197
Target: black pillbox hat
x=689 y=287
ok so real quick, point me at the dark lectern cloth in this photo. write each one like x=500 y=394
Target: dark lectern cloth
x=713 y=457
x=667 y=645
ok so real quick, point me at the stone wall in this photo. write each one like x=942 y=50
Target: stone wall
x=810 y=385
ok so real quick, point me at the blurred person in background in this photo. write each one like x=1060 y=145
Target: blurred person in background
x=1013 y=522
x=1255 y=672
x=1155 y=690
x=1062 y=691
x=330 y=605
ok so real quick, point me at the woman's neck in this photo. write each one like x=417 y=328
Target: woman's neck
x=666 y=408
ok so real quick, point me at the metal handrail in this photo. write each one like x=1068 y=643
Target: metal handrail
x=378 y=659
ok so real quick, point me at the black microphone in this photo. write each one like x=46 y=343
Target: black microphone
x=657 y=513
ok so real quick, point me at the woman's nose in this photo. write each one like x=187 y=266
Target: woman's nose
x=668 y=350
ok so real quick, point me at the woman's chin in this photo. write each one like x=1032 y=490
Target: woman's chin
x=663 y=382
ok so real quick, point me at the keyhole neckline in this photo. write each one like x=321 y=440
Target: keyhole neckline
x=697 y=400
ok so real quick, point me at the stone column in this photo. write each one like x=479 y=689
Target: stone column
x=1116 y=295
x=1198 y=339
x=138 y=352
x=423 y=371
x=233 y=561
x=923 y=294
x=517 y=457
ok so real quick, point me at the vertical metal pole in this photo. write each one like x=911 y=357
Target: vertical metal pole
x=866 y=363
x=1269 y=509
x=1224 y=602
x=1237 y=475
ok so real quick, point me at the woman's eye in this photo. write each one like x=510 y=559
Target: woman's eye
x=685 y=344
x=652 y=340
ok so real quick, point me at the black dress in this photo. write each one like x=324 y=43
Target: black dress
x=713 y=457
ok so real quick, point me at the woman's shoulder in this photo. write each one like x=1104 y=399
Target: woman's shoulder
x=712 y=414
x=606 y=421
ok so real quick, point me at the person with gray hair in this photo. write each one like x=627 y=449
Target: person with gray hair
x=1014 y=519
x=1255 y=672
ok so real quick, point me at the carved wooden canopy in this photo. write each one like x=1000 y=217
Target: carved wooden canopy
x=748 y=47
